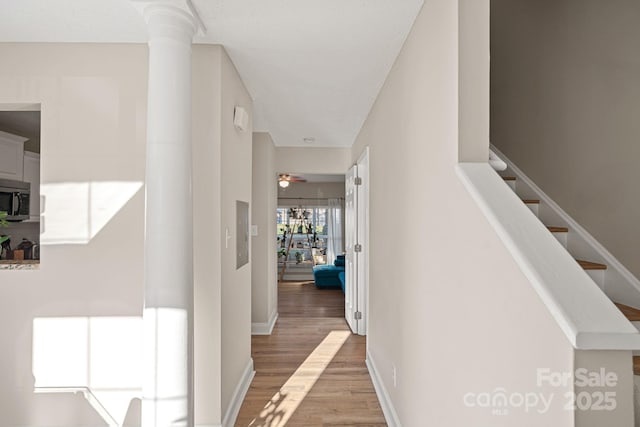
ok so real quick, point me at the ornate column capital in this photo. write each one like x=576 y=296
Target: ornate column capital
x=170 y=18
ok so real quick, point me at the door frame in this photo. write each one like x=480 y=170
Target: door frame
x=350 y=239
x=362 y=215
x=357 y=232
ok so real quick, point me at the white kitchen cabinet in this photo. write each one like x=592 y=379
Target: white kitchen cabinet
x=32 y=176
x=11 y=156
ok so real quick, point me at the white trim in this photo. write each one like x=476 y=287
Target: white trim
x=350 y=240
x=88 y=395
x=496 y=162
x=362 y=215
x=238 y=395
x=20 y=107
x=264 y=328
x=583 y=312
x=390 y=414
x=208 y=425
x=13 y=138
x=611 y=261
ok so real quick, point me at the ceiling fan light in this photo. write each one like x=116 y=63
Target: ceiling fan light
x=283 y=183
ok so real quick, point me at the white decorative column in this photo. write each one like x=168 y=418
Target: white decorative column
x=168 y=301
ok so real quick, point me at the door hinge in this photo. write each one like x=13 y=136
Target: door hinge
x=357 y=247
x=357 y=180
x=357 y=315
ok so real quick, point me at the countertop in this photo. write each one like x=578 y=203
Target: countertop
x=27 y=264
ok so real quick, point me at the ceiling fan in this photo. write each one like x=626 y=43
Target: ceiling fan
x=284 y=179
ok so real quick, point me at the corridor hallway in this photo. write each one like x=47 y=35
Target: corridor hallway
x=310 y=371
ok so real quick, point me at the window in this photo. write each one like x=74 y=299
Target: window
x=317 y=219
x=302 y=230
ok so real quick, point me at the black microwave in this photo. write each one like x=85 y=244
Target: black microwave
x=14 y=199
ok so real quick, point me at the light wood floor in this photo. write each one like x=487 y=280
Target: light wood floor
x=303 y=299
x=310 y=371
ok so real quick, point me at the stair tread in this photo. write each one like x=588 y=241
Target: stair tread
x=509 y=178
x=531 y=201
x=558 y=229
x=631 y=313
x=588 y=265
x=636 y=365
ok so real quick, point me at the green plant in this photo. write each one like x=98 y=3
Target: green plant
x=4 y=223
x=299 y=257
x=282 y=252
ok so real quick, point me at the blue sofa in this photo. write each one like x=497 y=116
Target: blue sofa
x=328 y=276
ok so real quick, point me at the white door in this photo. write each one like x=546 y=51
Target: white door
x=362 y=256
x=351 y=230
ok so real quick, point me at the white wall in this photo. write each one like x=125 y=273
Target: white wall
x=565 y=100
x=310 y=190
x=236 y=185
x=222 y=175
x=448 y=307
x=264 y=291
x=473 y=75
x=206 y=131
x=93 y=130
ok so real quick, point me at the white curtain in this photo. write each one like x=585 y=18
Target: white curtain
x=334 y=230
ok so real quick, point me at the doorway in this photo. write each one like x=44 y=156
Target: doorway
x=310 y=223
x=310 y=239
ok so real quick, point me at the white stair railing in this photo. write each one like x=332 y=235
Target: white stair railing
x=583 y=312
x=620 y=284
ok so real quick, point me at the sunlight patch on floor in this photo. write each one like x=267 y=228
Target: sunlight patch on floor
x=283 y=404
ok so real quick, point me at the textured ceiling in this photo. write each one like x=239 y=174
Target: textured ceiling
x=313 y=67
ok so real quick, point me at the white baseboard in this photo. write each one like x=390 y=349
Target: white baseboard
x=388 y=410
x=238 y=395
x=264 y=328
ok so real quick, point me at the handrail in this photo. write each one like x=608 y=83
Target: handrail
x=496 y=162
x=88 y=395
x=583 y=312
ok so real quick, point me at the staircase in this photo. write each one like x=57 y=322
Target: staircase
x=561 y=232
x=617 y=282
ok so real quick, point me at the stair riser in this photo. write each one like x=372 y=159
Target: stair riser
x=597 y=276
x=627 y=293
x=637 y=325
x=562 y=238
x=534 y=208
